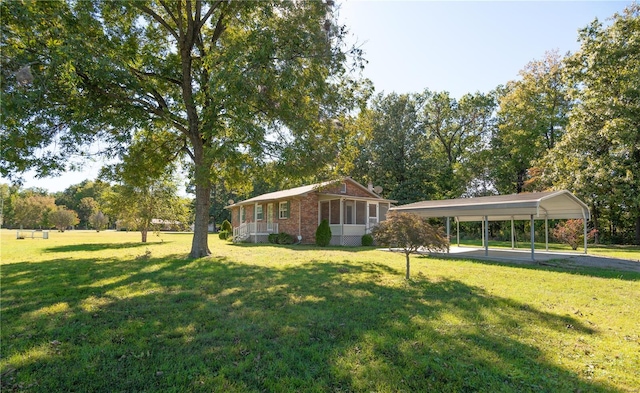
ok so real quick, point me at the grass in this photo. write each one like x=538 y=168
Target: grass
x=102 y=312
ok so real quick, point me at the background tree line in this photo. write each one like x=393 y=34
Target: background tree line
x=98 y=205
x=569 y=122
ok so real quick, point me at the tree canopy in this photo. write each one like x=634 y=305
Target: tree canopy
x=223 y=84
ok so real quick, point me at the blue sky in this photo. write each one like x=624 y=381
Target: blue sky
x=457 y=46
x=463 y=46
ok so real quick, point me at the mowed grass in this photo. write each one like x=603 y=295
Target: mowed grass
x=86 y=311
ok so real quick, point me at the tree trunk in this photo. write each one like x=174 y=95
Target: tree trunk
x=520 y=181
x=200 y=243
x=638 y=229
x=407 y=275
x=144 y=235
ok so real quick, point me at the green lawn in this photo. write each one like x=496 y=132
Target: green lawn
x=84 y=311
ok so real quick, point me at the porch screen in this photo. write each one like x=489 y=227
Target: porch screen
x=335 y=212
x=361 y=213
x=384 y=208
x=324 y=211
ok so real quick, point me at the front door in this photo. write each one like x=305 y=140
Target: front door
x=373 y=216
x=270 y=217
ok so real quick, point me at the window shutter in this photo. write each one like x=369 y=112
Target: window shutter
x=288 y=209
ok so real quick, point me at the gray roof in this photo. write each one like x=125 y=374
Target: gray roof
x=551 y=204
x=292 y=192
x=298 y=191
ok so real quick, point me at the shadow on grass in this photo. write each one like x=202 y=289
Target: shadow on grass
x=174 y=324
x=98 y=246
x=303 y=247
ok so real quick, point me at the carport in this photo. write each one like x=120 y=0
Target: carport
x=526 y=206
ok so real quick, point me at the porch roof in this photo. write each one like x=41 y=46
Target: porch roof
x=551 y=205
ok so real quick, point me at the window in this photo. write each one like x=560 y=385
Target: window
x=283 y=210
x=258 y=212
x=343 y=188
x=242 y=214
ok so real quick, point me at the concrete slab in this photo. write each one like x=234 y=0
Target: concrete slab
x=555 y=258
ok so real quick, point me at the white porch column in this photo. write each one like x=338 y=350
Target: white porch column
x=342 y=221
x=533 y=237
x=486 y=236
x=458 y=230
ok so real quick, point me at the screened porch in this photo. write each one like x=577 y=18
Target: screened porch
x=350 y=218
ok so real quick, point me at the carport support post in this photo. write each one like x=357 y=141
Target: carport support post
x=585 y=234
x=546 y=234
x=486 y=236
x=513 y=235
x=448 y=233
x=533 y=238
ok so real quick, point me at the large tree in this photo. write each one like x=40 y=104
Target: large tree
x=227 y=82
x=31 y=210
x=457 y=131
x=63 y=218
x=393 y=150
x=532 y=117
x=599 y=157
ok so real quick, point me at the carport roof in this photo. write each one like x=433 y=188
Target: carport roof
x=552 y=205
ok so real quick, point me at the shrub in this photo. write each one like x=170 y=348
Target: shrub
x=226 y=226
x=367 y=240
x=323 y=234
x=281 y=238
x=285 y=238
x=571 y=232
x=409 y=233
x=223 y=235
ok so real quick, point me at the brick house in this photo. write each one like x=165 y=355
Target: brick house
x=351 y=209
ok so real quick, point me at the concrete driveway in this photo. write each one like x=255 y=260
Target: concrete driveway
x=552 y=258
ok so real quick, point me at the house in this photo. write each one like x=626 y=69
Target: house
x=351 y=209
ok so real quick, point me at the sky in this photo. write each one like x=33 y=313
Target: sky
x=455 y=46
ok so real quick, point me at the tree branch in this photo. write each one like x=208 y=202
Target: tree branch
x=158 y=19
x=209 y=13
x=140 y=74
x=166 y=8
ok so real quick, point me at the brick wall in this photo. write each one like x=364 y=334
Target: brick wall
x=234 y=217
x=352 y=189
x=309 y=218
